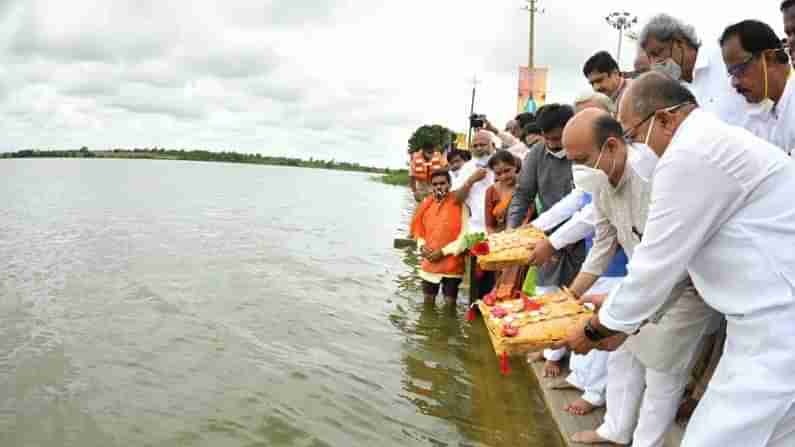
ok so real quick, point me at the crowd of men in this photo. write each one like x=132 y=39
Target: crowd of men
x=667 y=201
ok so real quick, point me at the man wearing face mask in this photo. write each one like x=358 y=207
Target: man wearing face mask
x=650 y=371
x=469 y=187
x=575 y=213
x=674 y=49
x=721 y=210
x=760 y=71
x=546 y=176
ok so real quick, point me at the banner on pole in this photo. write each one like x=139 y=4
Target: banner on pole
x=532 y=89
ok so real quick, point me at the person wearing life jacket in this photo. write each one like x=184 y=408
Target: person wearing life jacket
x=440 y=226
x=423 y=163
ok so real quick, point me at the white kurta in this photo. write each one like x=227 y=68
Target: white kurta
x=722 y=209
x=476 y=200
x=776 y=126
x=620 y=219
x=578 y=220
x=712 y=88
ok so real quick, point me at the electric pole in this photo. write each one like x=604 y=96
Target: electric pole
x=475 y=82
x=622 y=21
x=532 y=8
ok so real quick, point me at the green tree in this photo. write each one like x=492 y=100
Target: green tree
x=437 y=135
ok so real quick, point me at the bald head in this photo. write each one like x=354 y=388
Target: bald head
x=579 y=132
x=650 y=92
x=595 y=139
x=513 y=127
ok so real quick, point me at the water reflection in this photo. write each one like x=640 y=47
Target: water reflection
x=451 y=373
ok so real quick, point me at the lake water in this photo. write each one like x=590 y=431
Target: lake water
x=163 y=303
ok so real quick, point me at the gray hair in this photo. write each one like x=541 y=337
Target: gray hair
x=600 y=99
x=665 y=28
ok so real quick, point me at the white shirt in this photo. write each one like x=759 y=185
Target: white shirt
x=722 y=209
x=580 y=220
x=476 y=200
x=513 y=145
x=776 y=126
x=712 y=88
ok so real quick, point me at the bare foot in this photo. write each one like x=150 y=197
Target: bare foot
x=590 y=437
x=579 y=407
x=551 y=369
x=533 y=357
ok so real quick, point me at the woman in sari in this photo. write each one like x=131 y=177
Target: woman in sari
x=498 y=198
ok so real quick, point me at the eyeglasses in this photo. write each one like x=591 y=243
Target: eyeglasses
x=629 y=132
x=738 y=70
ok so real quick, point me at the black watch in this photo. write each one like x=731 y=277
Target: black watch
x=592 y=334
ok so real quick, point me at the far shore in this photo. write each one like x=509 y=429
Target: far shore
x=385 y=175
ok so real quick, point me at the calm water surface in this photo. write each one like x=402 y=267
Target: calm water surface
x=159 y=303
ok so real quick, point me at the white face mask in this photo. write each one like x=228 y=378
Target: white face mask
x=669 y=68
x=560 y=154
x=642 y=158
x=482 y=161
x=589 y=179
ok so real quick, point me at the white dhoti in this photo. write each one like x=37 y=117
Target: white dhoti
x=750 y=401
x=647 y=376
x=640 y=400
x=589 y=371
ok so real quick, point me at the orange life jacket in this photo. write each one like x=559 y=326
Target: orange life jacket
x=439 y=223
x=421 y=168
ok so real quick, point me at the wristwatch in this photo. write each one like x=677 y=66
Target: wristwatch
x=592 y=334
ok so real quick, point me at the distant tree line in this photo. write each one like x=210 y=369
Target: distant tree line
x=198 y=155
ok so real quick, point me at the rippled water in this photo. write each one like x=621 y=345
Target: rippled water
x=204 y=304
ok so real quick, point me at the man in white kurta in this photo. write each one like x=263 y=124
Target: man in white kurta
x=648 y=374
x=674 y=48
x=722 y=210
x=763 y=76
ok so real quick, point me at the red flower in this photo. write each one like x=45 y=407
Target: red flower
x=498 y=312
x=490 y=298
x=531 y=306
x=481 y=248
x=509 y=331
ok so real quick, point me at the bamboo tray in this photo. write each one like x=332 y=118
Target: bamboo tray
x=510 y=248
x=541 y=329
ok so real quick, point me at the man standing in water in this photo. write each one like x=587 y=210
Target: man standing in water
x=439 y=227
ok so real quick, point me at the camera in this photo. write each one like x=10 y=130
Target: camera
x=477 y=121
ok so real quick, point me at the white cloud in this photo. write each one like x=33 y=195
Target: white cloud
x=346 y=79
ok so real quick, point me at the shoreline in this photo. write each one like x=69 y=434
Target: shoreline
x=384 y=175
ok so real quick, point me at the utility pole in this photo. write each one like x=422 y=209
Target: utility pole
x=475 y=82
x=532 y=8
x=622 y=21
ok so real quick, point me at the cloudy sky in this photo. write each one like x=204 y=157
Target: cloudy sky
x=343 y=79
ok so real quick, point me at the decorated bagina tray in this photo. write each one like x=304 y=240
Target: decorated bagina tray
x=531 y=324
x=508 y=248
